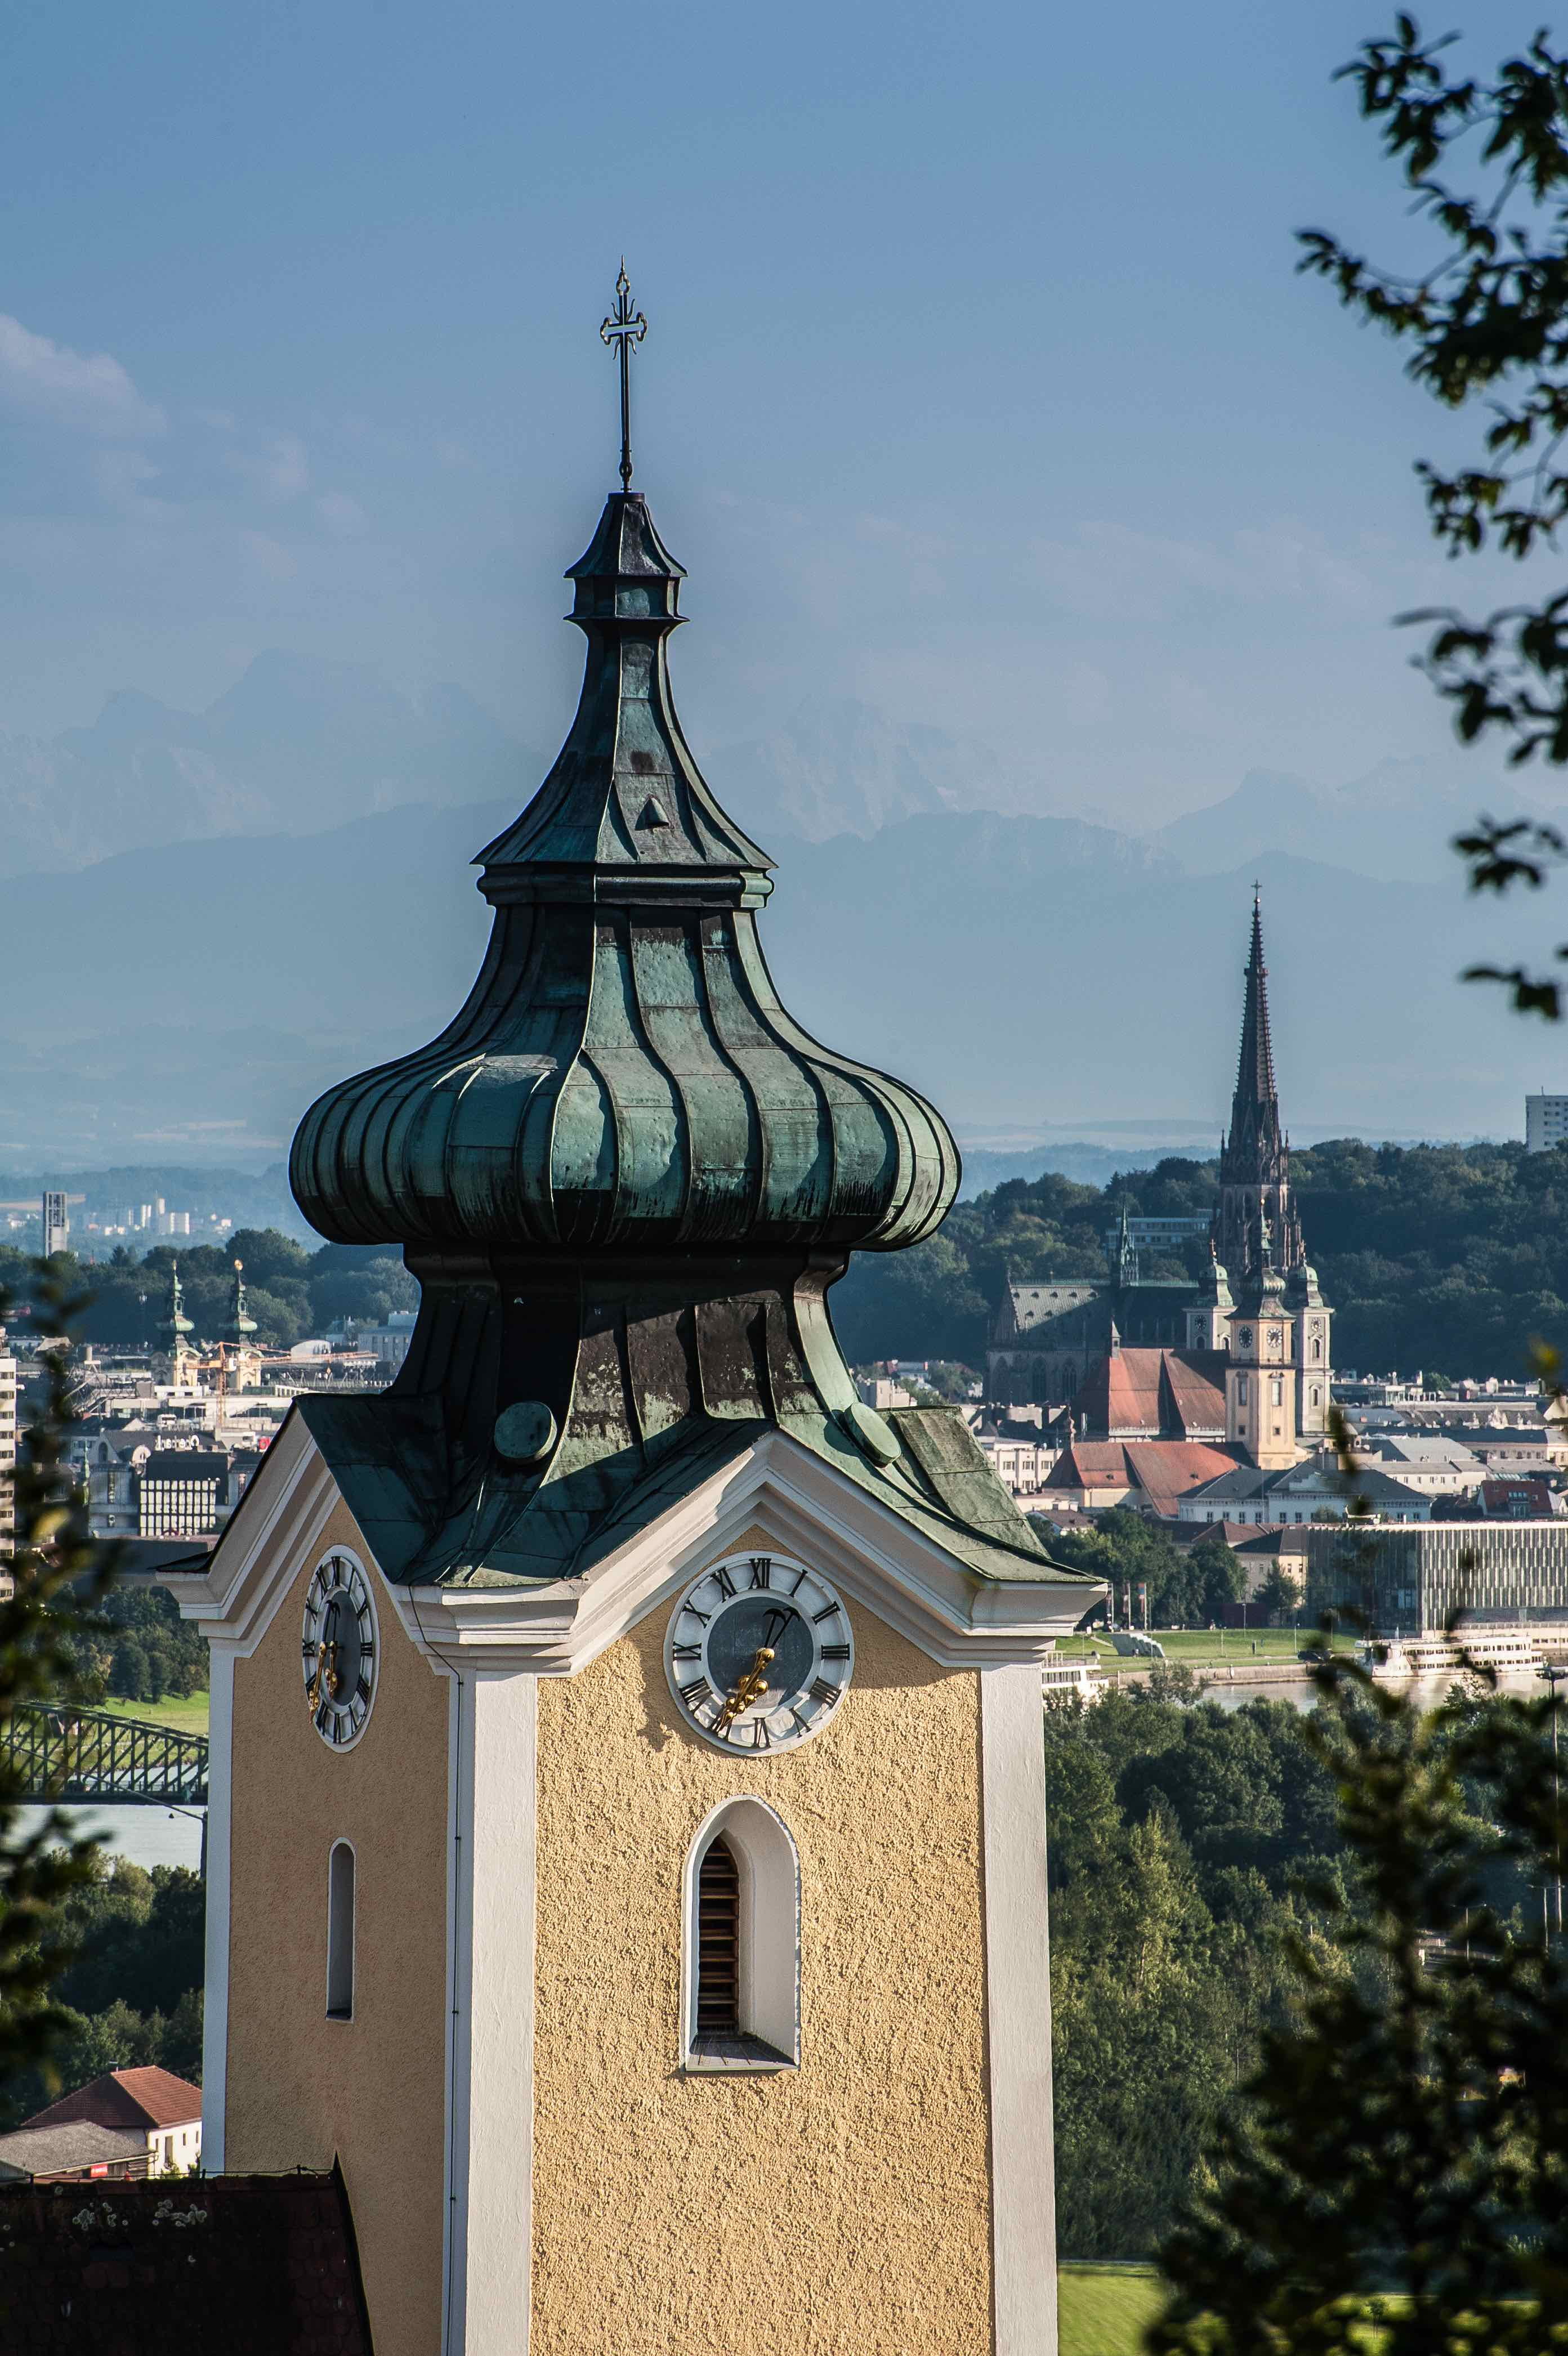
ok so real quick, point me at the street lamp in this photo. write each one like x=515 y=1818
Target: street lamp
x=1552 y=1671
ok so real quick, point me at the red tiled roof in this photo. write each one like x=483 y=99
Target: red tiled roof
x=126 y=2098
x=1197 y=1382
x=1090 y=1465
x=1167 y=1469
x=1163 y=1469
x=1155 y=1392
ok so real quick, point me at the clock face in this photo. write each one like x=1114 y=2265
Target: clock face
x=339 y=1649
x=759 y=1653
x=1246 y=1337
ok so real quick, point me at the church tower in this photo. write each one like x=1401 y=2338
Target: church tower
x=627 y=1849
x=1254 y=1158
x=1209 y=1317
x=1313 y=1321
x=1260 y=1375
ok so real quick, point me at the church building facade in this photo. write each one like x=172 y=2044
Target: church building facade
x=1253 y=1331
x=627 y=1853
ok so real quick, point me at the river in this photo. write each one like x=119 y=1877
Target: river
x=146 y=1836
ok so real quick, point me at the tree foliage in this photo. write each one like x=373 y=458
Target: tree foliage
x=1402 y=2141
x=129 y=1948
x=59 y=1578
x=1452 y=1255
x=1188 y=1588
x=290 y=1292
x=1175 y=1830
x=1485 y=160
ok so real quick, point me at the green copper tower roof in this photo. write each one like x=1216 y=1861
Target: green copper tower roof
x=625 y=1177
x=624 y=1076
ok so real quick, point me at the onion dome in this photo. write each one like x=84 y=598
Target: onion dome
x=1302 y=1289
x=624 y=1077
x=241 y=1326
x=1214 y=1286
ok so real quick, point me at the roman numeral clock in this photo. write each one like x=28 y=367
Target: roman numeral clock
x=636 y=1878
x=759 y=1652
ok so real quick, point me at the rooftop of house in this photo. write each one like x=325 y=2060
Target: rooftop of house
x=29 y=2152
x=255 y=2265
x=1315 y=1478
x=126 y=2098
x=185 y=1464
x=1160 y=1471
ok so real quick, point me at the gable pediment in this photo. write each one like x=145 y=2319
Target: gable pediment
x=552 y=1627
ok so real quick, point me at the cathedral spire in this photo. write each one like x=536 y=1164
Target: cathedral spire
x=1255 y=1207
x=1255 y=1109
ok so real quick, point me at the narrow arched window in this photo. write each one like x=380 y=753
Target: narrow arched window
x=341 y=1932
x=741 y=1950
x=718 y=1942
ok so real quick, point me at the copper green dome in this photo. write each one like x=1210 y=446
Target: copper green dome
x=624 y=1077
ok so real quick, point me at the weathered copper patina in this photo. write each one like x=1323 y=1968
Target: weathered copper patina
x=624 y=1176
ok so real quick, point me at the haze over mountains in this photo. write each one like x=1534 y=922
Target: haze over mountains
x=222 y=912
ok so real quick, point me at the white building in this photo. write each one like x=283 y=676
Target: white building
x=7 y=1455
x=1545 y=1123
x=389 y=1344
x=1437 y=1468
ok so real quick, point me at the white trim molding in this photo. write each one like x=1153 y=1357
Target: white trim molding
x=489 y=2232
x=806 y=1506
x=955 y=1615
x=1018 y=2014
x=215 y=2004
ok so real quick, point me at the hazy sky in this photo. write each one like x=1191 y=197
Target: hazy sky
x=979 y=384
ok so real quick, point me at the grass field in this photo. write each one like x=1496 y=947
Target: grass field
x=1196 y=1647
x=1102 y=2308
x=186 y=1716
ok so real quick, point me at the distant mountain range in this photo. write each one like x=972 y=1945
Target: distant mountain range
x=1396 y=821
x=297 y=742
x=223 y=910
x=187 y=1002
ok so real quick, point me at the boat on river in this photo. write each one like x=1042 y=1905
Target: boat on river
x=1399 y=1660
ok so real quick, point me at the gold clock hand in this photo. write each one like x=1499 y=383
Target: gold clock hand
x=741 y=1696
x=327 y=1673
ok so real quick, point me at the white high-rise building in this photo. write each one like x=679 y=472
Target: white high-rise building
x=1545 y=1123
x=56 y=1224
x=7 y=1461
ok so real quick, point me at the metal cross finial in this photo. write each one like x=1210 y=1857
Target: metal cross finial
x=624 y=326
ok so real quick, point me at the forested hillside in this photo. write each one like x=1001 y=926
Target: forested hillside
x=290 y=1291
x=1444 y=1257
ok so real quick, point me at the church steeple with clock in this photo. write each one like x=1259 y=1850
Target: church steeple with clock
x=641 y=1892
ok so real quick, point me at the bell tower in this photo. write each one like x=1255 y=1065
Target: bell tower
x=628 y=1822
x=1259 y=1379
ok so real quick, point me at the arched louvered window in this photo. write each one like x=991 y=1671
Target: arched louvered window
x=718 y=1942
x=741 y=2000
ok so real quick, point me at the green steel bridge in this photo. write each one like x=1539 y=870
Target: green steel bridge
x=56 y=1752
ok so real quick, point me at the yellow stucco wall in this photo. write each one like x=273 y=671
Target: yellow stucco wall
x=842 y=2210
x=372 y=2090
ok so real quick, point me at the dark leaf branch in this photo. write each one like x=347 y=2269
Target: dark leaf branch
x=1393 y=2174
x=59 y=1578
x=1490 y=317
